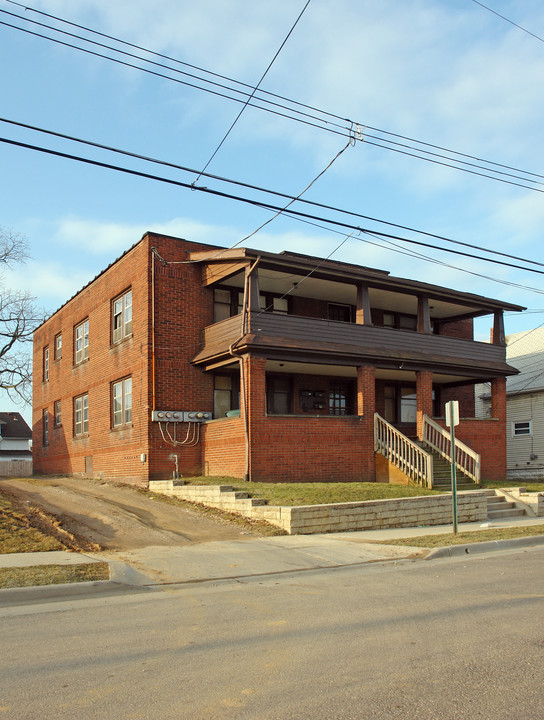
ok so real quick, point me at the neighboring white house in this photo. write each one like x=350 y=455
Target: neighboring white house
x=524 y=405
x=15 y=445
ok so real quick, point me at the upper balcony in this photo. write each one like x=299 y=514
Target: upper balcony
x=292 y=307
x=303 y=339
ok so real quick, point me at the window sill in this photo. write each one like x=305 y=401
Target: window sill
x=120 y=428
x=81 y=362
x=116 y=343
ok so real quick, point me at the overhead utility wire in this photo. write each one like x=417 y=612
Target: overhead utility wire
x=268 y=191
x=261 y=91
x=508 y=20
x=254 y=90
x=341 y=131
x=255 y=203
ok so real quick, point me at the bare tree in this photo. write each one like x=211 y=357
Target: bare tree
x=18 y=319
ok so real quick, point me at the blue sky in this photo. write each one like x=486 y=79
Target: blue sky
x=449 y=73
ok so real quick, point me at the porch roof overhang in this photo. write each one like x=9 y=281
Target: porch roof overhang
x=337 y=281
x=309 y=340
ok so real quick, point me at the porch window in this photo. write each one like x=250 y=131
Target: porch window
x=400 y=403
x=227 y=302
x=340 y=313
x=399 y=321
x=339 y=399
x=279 y=396
x=272 y=303
x=226 y=394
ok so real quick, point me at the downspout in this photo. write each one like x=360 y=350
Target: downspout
x=244 y=329
x=153 y=327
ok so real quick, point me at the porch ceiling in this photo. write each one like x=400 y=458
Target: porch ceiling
x=298 y=285
x=279 y=366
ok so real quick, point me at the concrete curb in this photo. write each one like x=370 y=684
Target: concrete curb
x=484 y=547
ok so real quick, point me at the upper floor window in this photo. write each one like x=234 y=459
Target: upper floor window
x=81 y=342
x=121 y=402
x=81 y=415
x=226 y=303
x=58 y=346
x=340 y=312
x=45 y=427
x=122 y=317
x=399 y=321
x=46 y=364
x=274 y=303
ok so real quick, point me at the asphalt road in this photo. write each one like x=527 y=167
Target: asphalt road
x=434 y=640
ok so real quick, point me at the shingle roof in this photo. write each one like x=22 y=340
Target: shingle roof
x=13 y=425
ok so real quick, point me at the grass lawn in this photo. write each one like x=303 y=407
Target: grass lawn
x=315 y=493
x=52 y=574
x=529 y=486
x=463 y=538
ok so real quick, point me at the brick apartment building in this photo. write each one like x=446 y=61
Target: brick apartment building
x=288 y=359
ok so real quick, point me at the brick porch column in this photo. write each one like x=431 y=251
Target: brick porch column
x=366 y=390
x=255 y=387
x=424 y=392
x=498 y=399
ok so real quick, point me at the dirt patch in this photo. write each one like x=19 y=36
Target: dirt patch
x=92 y=515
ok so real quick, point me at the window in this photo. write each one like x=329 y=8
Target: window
x=279 y=395
x=226 y=394
x=522 y=428
x=400 y=321
x=121 y=402
x=81 y=342
x=45 y=424
x=340 y=313
x=273 y=303
x=226 y=303
x=58 y=346
x=339 y=399
x=58 y=419
x=122 y=317
x=81 y=415
x=46 y=364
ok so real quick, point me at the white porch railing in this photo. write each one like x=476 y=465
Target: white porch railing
x=402 y=452
x=439 y=440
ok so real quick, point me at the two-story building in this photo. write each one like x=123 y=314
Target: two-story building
x=199 y=360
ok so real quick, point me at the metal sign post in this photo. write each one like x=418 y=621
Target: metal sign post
x=452 y=419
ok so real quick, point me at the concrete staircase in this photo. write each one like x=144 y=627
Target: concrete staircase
x=499 y=508
x=442 y=474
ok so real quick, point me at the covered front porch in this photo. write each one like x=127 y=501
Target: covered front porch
x=301 y=421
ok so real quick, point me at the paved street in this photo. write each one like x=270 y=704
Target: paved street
x=447 y=638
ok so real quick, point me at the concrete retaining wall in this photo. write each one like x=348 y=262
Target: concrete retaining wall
x=336 y=517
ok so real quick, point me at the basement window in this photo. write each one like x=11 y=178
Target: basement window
x=522 y=428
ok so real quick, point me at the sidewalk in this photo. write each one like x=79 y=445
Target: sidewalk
x=156 y=565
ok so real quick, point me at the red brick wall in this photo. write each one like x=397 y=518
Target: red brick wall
x=183 y=308
x=106 y=364
x=324 y=449
x=464 y=394
x=223 y=448
x=486 y=437
x=458 y=329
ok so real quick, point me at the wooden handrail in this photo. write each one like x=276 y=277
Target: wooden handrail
x=467 y=460
x=402 y=452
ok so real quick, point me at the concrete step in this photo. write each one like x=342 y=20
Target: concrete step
x=501 y=514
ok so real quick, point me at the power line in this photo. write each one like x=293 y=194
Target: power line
x=269 y=191
x=309 y=119
x=508 y=20
x=256 y=203
x=254 y=89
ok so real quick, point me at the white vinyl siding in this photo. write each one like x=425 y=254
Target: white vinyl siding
x=522 y=448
